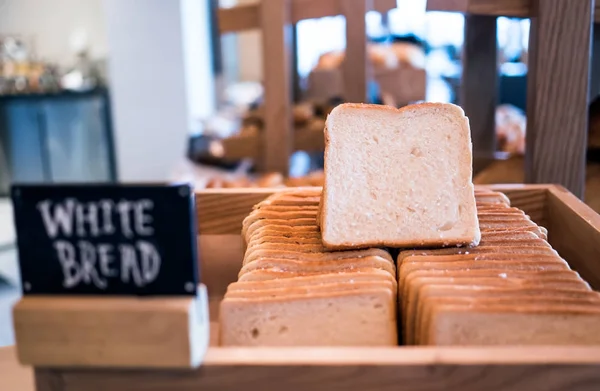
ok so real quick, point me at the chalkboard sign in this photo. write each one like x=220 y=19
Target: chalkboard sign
x=106 y=239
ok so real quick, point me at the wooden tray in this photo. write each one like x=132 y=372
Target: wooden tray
x=574 y=230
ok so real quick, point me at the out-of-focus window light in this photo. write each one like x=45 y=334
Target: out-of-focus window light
x=227 y=3
x=408 y=18
x=444 y=28
x=374 y=26
x=525 y=25
x=318 y=36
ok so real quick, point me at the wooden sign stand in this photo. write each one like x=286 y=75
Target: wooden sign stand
x=110 y=277
x=118 y=332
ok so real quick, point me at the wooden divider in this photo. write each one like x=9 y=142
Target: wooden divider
x=514 y=8
x=479 y=87
x=278 y=126
x=557 y=98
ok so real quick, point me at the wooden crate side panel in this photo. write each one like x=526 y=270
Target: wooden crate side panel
x=220 y=261
x=354 y=369
x=574 y=231
x=529 y=198
x=221 y=211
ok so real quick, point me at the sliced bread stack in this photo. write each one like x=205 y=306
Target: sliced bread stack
x=511 y=289
x=291 y=291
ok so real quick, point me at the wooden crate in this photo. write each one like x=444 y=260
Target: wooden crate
x=574 y=230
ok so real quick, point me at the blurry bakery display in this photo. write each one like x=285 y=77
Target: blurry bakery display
x=387 y=55
x=273 y=179
x=398 y=70
x=22 y=72
x=510 y=129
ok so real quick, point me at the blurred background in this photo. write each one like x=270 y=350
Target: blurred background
x=149 y=90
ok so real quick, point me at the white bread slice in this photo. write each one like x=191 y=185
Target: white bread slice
x=276 y=273
x=549 y=289
x=313 y=257
x=431 y=276
x=307 y=280
x=309 y=289
x=398 y=177
x=368 y=318
x=316 y=265
x=551 y=323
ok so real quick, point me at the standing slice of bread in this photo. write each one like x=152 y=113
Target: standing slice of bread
x=398 y=177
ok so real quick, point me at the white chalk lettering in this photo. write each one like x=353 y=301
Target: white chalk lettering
x=150 y=261
x=105 y=258
x=129 y=265
x=107 y=209
x=66 y=257
x=90 y=217
x=88 y=265
x=61 y=219
x=124 y=207
x=142 y=218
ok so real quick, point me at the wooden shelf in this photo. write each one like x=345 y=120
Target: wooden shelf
x=247 y=17
x=514 y=8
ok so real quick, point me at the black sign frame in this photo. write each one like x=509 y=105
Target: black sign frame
x=151 y=250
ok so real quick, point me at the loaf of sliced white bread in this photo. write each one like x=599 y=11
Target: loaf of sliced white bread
x=293 y=292
x=401 y=178
x=513 y=289
x=398 y=177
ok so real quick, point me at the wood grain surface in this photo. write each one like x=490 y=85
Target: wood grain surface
x=247 y=16
x=221 y=211
x=557 y=99
x=516 y=8
x=479 y=89
x=355 y=63
x=574 y=231
x=278 y=122
x=360 y=369
x=125 y=332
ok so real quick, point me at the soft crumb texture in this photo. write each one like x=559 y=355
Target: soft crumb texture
x=398 y=177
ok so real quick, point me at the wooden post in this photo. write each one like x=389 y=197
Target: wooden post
x=355 y=64
x=595 y=83
x=296 y=85
x=275 y=16
x=557 y=101
x=479 y=88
